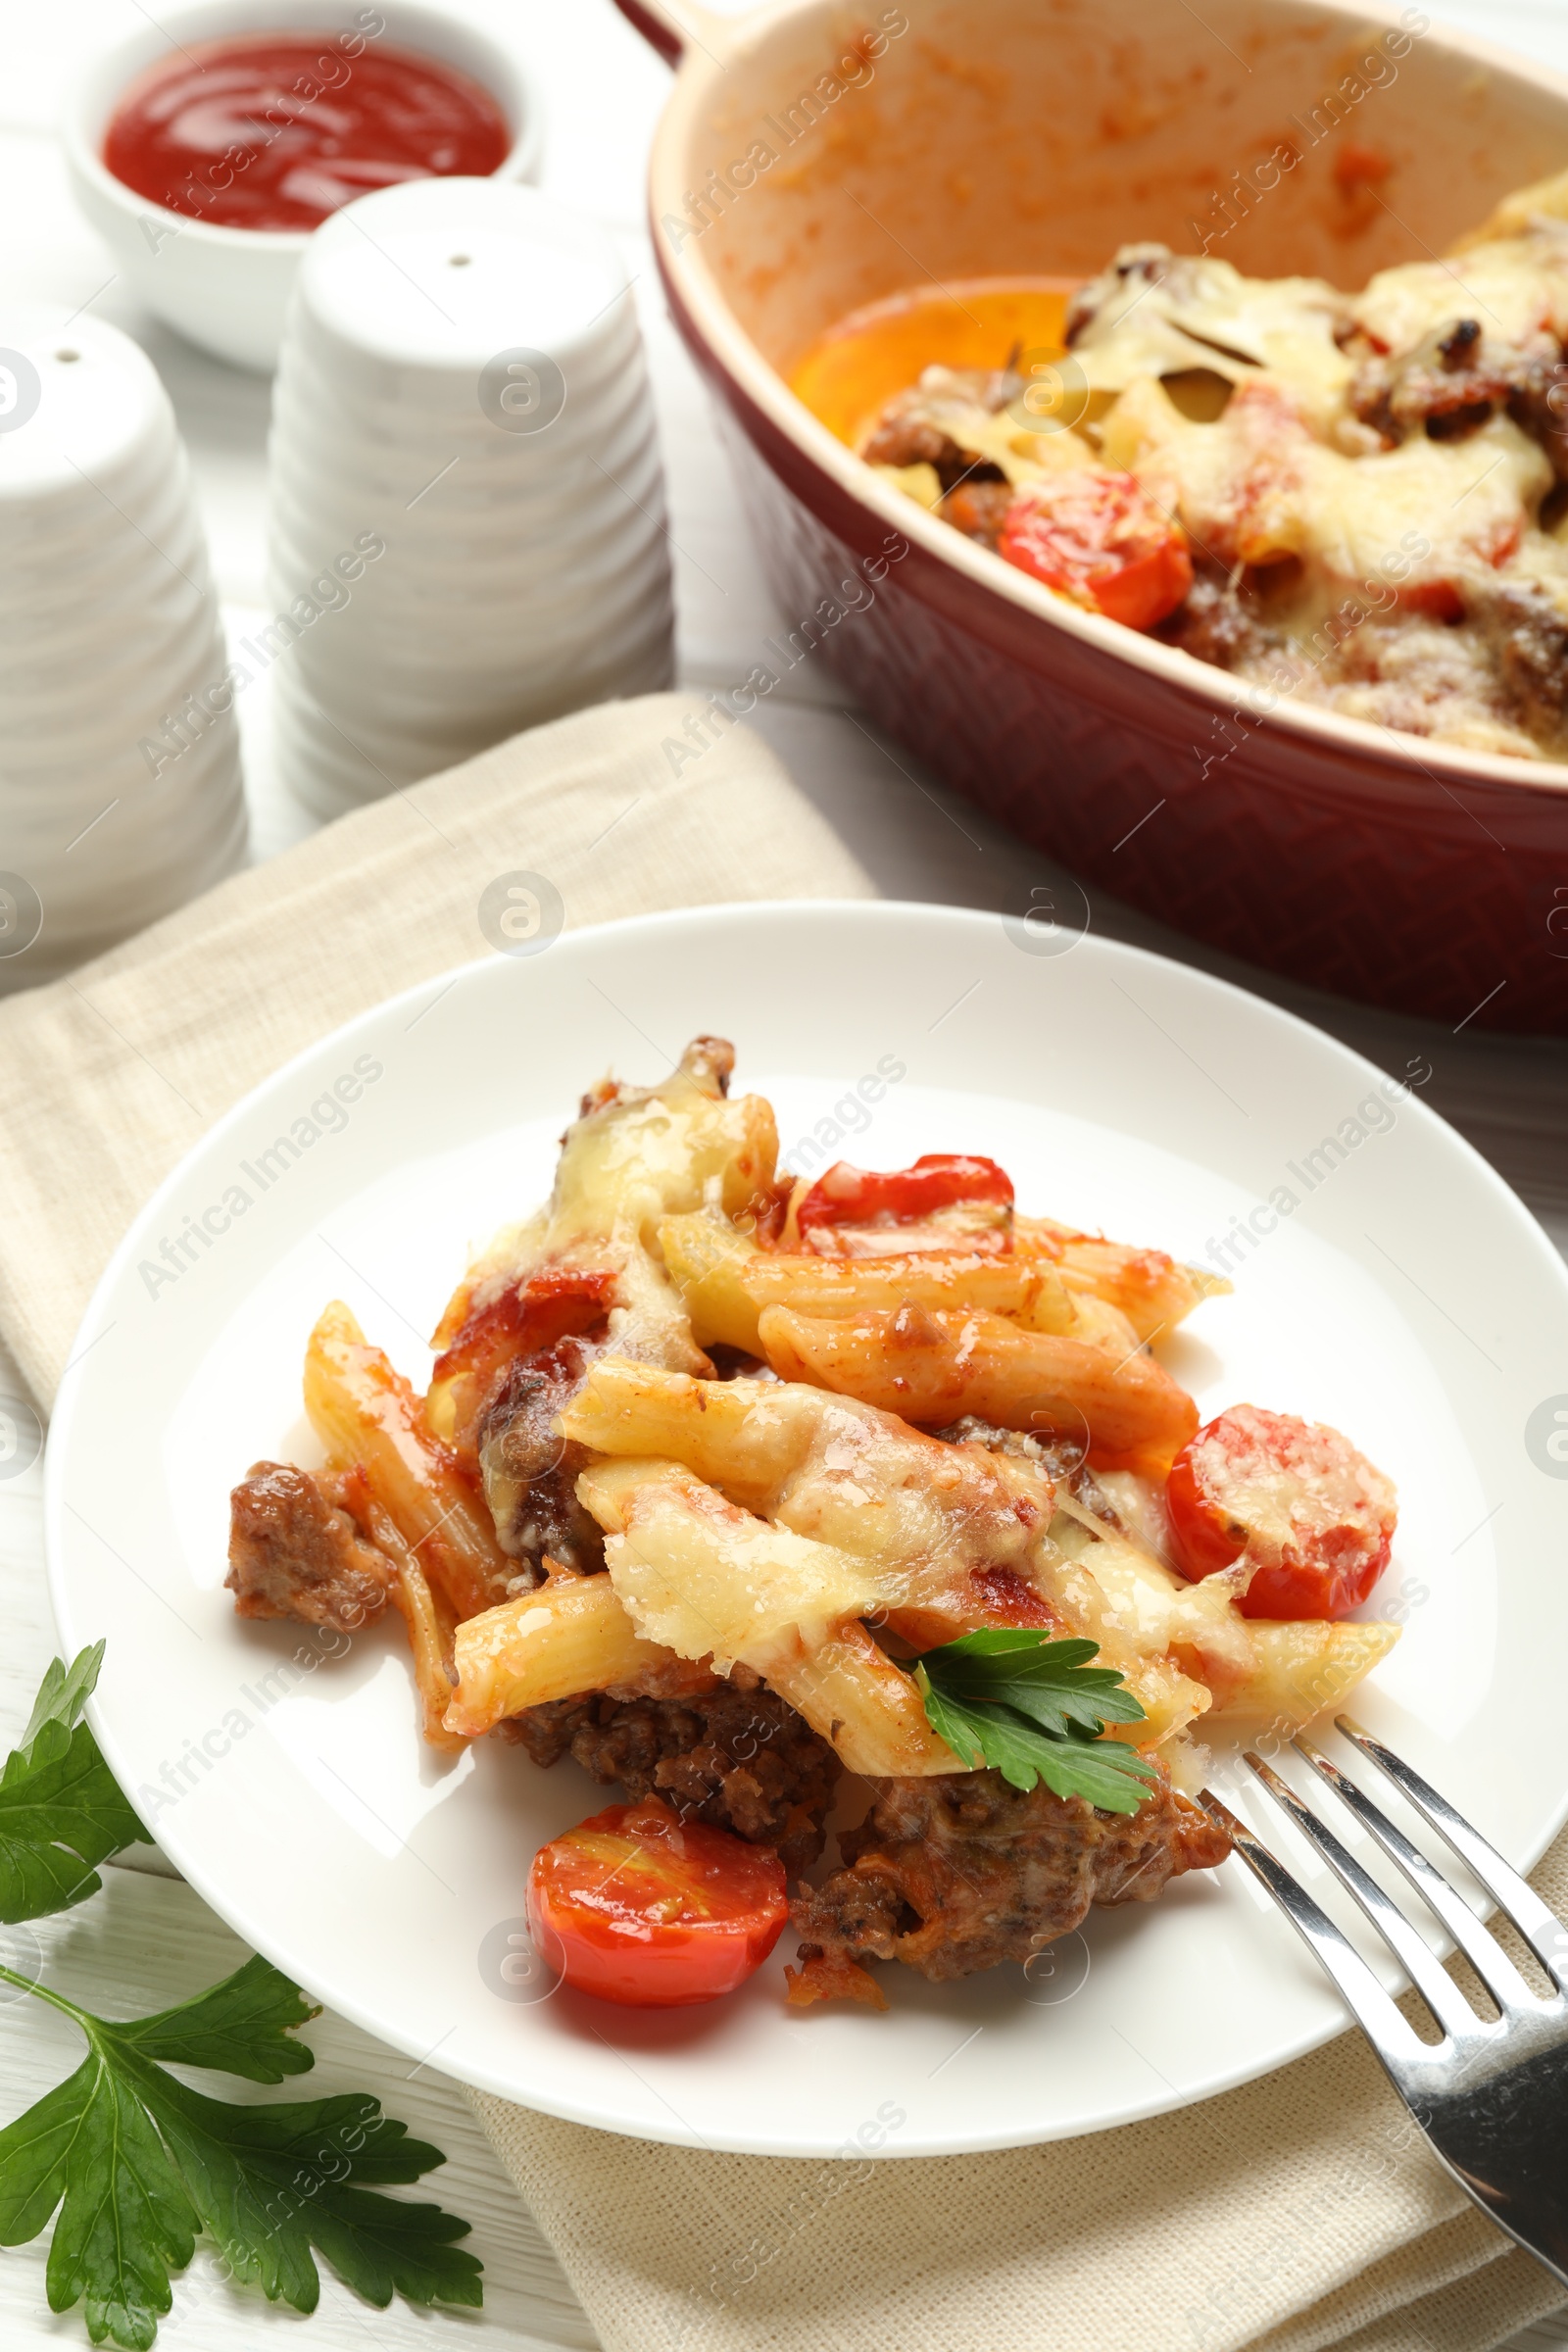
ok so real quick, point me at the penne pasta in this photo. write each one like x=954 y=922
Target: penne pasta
x=714 y=1426
x=867 y=1708
x=1099 y=1324
x=952 y=1533
x=1304 y=1668
x=427 y=1618
x=1178 y=1644
x=935 y=1365
x=368 y=1416
x=726 y=1282
x=713 y=1581
x=571 y=1635
x=1154 y=1292
x=955 y=1537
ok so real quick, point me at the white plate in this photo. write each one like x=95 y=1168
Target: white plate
x=1408 y=1299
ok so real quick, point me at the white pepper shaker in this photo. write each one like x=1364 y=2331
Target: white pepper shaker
x=467 y=531
x=119 y=772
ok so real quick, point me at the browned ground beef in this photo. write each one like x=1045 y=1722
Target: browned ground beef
x=1529 y=642
x=1449 y=384
x=1458 y=378
x=293 y=1554
x=978 y=508
x=1536 y=405
x=1217 y=623
x=1060 y=1459
x=953 y=1874
x=741 y=1760
x=900 y=439
x=530 y=1472
x=906 y=436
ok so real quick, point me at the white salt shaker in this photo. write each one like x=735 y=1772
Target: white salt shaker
x=119 y=774
x=467 y=531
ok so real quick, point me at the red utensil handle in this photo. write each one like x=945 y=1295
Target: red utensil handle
x=672 y=26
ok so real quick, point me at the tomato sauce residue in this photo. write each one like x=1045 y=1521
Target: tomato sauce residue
x=276 y=131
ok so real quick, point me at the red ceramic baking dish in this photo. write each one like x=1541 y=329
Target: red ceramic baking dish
x=814 y=159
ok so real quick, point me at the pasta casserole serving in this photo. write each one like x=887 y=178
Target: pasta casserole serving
x=1355 y=500
x=765 y=1498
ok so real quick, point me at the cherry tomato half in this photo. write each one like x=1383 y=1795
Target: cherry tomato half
x=852 y=1195
x=1096 y=535
x=639 y=1907
x=1312 y=1517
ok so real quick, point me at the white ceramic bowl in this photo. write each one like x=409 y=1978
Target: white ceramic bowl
x=228 y=290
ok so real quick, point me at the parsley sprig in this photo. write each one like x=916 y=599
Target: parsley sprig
x=136 y=2162
x=1035 y=1710
x=61 y=1810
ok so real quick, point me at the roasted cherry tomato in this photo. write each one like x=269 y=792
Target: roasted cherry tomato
x=639 y=1907
x=1294 y=1501
x=852 y=1195
x=1100 y=538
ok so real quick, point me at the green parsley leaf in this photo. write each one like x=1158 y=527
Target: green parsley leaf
x=241 y=2026
x=1035 y=1709
x=137 y=2162
x=132 y=2163
x=61 y=1811
x=125 y=2220
x=271 y=2182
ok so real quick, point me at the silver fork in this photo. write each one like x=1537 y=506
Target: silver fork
x=1492 y=2096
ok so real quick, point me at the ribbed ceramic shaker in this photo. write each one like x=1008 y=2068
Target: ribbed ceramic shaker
x=466 y=500
x=120 y=777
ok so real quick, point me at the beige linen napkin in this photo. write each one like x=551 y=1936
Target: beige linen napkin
x=108 y=1077
x=1296 y=2213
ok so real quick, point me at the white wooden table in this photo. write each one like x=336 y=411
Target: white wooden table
x=148 y=1941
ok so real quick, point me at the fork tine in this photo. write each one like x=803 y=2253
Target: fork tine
x=1482 y=1949
x=1420 y=1963
x=1513 y=1894
x=1380 y=2020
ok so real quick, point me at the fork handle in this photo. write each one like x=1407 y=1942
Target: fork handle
x=1495 y=2113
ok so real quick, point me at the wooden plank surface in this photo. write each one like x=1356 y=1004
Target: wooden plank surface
x=148 y=1941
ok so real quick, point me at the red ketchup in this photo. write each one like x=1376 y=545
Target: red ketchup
x=275 y=130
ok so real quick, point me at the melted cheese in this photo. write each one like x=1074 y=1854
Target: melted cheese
x=1257 y=487
x=708 y=1580
x=1385 y=554
x=1515 y=290
x=1207 y=316
x=624 y=1167
x=1544 y=202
